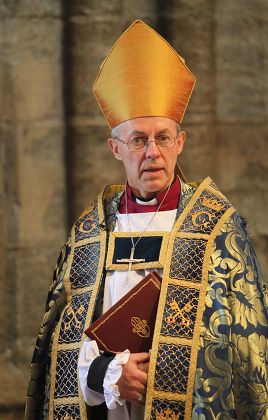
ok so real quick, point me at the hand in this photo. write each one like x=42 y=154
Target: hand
x=144 y=366
x=133 y=380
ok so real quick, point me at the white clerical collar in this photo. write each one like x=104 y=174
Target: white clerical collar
x=152 y=202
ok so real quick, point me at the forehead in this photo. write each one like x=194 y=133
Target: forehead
x=147 y=125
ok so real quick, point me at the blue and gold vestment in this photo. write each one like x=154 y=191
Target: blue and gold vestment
x=210 y=348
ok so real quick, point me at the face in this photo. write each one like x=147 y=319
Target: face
x=151 y=170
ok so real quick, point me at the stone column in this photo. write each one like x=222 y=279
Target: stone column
x=32 y=181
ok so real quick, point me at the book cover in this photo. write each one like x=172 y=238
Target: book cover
x=129 y=324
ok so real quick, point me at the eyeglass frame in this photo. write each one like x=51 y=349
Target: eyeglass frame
x=147 y=143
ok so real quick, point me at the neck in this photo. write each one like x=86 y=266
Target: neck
x=149 y=195
x=170 y=203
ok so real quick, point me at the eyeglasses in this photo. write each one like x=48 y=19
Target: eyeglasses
x=139 y=144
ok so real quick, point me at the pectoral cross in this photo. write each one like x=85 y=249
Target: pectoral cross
x=131 y=259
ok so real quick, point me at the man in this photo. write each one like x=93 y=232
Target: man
x=209 y=351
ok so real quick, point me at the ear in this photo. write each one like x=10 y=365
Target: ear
x=181 y=139
x=113 y=144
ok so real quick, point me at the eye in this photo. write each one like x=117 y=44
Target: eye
x=163 y=138
x=137 y=141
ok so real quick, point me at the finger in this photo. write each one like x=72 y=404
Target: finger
x=143 y=378
x=143 y=366
x=139 y=388
x=138 y=399
x=140 y=357
x=134 y=373
x=133 y=394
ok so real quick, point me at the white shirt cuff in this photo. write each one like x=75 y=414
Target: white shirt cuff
x=88 y=353
x=113 y=373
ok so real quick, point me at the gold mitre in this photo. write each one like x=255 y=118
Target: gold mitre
x=143 y=76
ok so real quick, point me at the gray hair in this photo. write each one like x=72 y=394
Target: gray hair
x=178 y=128
x=115 y=132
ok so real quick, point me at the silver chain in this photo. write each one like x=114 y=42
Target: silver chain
x=150 y=221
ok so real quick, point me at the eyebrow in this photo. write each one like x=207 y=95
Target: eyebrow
x=142 y=133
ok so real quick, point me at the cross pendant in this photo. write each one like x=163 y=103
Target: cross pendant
x=131 y=259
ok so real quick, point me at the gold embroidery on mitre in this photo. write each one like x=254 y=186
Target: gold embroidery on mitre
x=179 y=313
x=73 y=318
x=140 y=327
x=212 y=204
x=166 y=415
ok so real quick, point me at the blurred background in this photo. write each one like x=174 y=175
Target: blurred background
x=53 y=154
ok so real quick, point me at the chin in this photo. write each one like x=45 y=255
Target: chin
x=153 y=187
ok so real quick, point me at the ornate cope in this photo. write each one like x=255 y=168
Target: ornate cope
x=210 y=350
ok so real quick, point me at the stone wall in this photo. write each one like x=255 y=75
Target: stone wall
x=53 y=154
x=33 y=192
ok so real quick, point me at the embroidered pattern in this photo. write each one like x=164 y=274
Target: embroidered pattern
x=187 y=259
x=202 y=218
x=163 y=409
x=88 y=225
x=172 y=367
x=186 y=300
x=166 y=415
x=179 y=314
x=72 y=413
x=213 y=204
x=83 y=271
x=74 y=319
x=66 y=376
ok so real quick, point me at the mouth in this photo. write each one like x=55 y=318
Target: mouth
x=152 y=170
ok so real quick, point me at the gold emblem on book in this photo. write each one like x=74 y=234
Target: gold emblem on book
x=167 y=414
x=179 y=313
x=73 y=317
x=140 y=327
x=212 y=204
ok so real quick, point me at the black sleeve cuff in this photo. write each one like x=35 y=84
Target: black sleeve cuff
x=97 y=370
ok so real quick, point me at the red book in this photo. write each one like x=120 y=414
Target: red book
x=129 y=324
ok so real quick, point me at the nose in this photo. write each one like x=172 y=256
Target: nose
x=152 y=150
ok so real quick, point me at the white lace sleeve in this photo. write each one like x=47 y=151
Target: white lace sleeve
x=88 y=353
x=111 y=377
